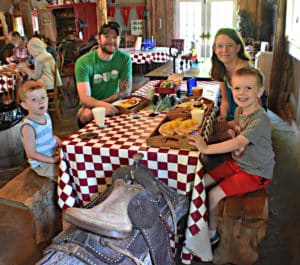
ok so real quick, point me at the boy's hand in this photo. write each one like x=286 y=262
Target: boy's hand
x=198 y=141
x=56 y=159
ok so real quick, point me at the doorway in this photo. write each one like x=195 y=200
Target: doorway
x=197 y=21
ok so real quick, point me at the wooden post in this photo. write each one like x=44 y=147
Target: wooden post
x=3 y=27
x=101 y=13
x=26 y=12
x=278 y=57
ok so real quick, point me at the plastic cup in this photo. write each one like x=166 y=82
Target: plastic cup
x=197 y=91
x=192 y=82
x=99 y=116
x=147 y=44
x=197 y=115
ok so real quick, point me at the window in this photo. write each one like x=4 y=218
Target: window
x=196 y=18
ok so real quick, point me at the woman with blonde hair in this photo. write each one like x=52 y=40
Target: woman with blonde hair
x=44 y=65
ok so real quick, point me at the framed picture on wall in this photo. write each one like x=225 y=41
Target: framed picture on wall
x=137 y=27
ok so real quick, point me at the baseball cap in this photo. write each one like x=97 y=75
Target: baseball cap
x=105 y=28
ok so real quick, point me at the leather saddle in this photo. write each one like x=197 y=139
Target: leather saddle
x=153 y=212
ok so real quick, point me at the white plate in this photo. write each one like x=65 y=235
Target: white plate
x=126 y=103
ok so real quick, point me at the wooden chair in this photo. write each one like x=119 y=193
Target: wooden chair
x=56 y=93
x=129 y=41
x=242 y=224
x=10 y=111
x=10 y=80
x=178 y=44
x=95 y=47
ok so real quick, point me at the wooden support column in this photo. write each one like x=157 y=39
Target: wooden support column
x=147 y=18
x=277 y=73
x=101 y=13
x=26 y=13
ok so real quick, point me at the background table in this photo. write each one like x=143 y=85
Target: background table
x=9 y=79
x=157 y=55
x=87 y=165
x=199 y=70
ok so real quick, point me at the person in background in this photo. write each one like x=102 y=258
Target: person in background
x=20 y=52
x=252 y=158
x=40 y=144
x=44 y=65
x=103 y=75
x=49 y=48
x=6 y=51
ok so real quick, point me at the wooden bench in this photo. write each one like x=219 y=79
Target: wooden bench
x=242 y=226
x=30 y=217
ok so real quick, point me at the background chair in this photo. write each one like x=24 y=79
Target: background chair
x=56 y=94
x=10 y=110
x=129 y=41
x=178 y=44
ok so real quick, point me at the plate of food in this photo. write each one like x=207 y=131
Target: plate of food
x=186 y=127
x=128 y=103
x=178 y=127
x=191 y=105
x=168 y=128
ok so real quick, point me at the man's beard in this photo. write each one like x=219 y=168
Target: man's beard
x=105 y=50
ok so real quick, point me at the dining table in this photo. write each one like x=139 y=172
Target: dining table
x=199 y=70
x=155 y=55
x=87 y=165
x=8 y=79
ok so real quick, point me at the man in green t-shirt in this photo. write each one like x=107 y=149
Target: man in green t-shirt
x=103 y=75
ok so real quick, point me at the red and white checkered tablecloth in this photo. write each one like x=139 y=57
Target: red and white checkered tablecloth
x=158 y=55
x=7 y=82
x=87 y=165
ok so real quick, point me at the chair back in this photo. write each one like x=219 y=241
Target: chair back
x=10 y=81
x=129 y=41
x=95 y=47
x=178 y=44
x=54 y=94
x=10 y=110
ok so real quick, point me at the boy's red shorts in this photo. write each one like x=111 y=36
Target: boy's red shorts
x=235 y=181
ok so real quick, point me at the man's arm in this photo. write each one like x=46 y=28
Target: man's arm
x=125 y=90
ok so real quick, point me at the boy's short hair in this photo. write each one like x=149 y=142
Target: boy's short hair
x=29 y=86
x=252 y=71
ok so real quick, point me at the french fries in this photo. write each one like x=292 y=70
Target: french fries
x=178 y=127
x=128 y=103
